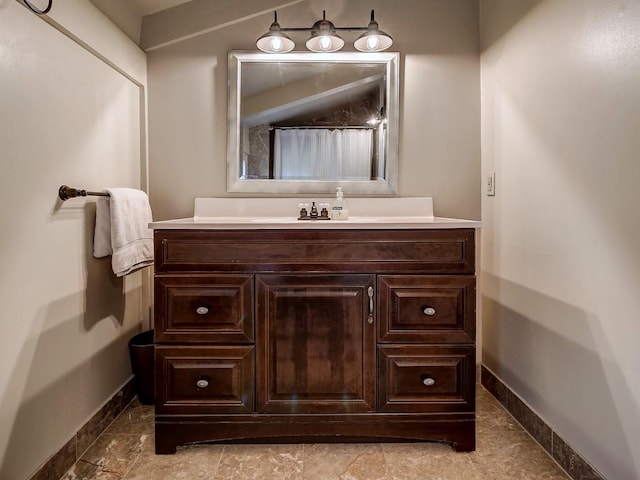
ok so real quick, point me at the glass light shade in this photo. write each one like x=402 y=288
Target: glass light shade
x=275 y=41
x=324 y=38
x=325 y=43
x=373 y=40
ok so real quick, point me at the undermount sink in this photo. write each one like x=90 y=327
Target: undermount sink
x=293 y=221
x=273 y=220
x=367 y=219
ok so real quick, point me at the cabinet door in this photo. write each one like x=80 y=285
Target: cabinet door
x=315 y=343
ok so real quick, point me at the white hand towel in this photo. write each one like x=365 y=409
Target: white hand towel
x=102 y=233
x=122 y=230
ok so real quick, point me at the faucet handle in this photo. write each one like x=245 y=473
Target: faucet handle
x=303 y=211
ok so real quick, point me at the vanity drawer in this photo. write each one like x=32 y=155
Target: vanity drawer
x=201 y=379
x=426 y=378
x=204 y=309
x=426 y=309
x=442 y=251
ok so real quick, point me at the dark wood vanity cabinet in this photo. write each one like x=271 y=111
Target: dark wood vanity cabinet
x=314 y=335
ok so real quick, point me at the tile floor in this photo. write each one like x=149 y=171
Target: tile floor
x=504 y=452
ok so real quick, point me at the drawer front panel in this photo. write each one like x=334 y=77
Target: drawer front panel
x=426 y=309
x=426 y=379
x=204 y=380
x=329 y=251
x=212 y=309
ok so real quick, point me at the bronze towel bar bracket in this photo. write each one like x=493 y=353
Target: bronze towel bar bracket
x=65 y=193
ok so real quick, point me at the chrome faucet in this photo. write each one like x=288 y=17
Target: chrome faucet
x=313 y=214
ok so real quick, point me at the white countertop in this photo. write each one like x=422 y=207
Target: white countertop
x=281 y=213
x=261 y=223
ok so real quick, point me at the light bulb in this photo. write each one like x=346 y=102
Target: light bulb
x=325 y=42
x=372 y=42
x=276 y=44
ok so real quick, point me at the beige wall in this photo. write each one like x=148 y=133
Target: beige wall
x=67 y=117
x=560 y=256
x=440 y=129
x=560 y=263
x=124 y=14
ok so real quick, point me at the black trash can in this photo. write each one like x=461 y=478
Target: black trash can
x=142 y=365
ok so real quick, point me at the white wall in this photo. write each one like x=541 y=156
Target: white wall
x=440 y=129
x=560 y=257
x=66 y=117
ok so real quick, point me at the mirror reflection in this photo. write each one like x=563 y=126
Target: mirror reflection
x=307 y=122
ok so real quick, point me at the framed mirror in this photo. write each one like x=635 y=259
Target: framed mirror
x=307 y=122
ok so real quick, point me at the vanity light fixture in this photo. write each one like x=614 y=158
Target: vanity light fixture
x=374 y=39
x=324 y=37
x=275 y=41
x=378 y=118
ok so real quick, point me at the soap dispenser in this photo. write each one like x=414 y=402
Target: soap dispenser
x=339 y=210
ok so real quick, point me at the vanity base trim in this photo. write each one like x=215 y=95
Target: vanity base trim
x=458 y=430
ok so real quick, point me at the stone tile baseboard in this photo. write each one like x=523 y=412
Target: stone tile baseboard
x=63 y=459
x=576 y=466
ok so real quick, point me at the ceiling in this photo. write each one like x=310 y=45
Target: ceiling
x=145 y=7
x=128 y=14
x=156 y=23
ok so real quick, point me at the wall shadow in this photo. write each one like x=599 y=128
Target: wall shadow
x=63 y=373
x=104 y=292
x=567 y=363
x=39 y=422
x=501 y=17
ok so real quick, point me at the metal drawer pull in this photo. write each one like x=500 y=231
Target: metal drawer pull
x=429 y=311
x=370 y=294
x=429 y=382
x=202 y=383
x=202 y=310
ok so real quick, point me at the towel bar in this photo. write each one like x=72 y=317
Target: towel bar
x=65 y=193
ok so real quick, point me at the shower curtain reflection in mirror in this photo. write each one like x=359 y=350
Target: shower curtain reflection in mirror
x=323 y=154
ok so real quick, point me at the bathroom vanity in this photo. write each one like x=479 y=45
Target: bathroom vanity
x=269 y=329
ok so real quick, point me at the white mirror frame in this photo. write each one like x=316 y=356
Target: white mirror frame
x=387 y=186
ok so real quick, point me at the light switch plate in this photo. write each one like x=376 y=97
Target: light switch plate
x=491 y=184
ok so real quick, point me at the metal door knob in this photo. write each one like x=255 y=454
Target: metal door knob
x=202 y=383
x=429 y=311
x=202 y=310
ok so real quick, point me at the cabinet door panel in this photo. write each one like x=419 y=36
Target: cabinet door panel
x=426 y=308
x=316 y=347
